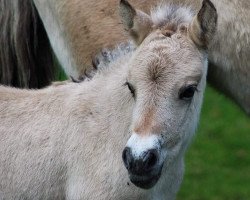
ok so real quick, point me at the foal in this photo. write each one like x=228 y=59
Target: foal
x=70 y=141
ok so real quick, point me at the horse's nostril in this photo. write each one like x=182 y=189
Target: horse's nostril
x=150 y=159
x=127 y=157
x=142 y=165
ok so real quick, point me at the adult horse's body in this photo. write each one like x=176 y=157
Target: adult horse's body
x=79 y=29
x=88 y=22
x=68 y=142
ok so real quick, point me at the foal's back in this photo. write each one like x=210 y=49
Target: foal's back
x=30 y=141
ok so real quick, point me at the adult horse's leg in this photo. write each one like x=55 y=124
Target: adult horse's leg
x=229 y=69
x=48 y=11
x=231 y=82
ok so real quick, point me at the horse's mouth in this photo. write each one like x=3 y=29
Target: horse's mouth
x=145 y=182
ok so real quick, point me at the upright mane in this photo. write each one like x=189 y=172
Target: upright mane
x=108 y=56
x=171 y=14
x=26 y=58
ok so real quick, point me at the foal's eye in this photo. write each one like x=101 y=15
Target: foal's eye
x=131 y=88
x=187 y=92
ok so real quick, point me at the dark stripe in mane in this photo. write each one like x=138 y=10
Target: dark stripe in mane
x=26 y=58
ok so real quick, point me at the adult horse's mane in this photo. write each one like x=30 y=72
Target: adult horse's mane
x=26 y=58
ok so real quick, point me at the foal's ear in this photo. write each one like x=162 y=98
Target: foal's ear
x=136 y=22
x=203 y=26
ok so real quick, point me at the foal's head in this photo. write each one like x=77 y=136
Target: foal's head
x=166 y=80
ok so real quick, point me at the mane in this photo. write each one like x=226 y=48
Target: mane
x=171 y=14
x=107 y=56
x=26 y=58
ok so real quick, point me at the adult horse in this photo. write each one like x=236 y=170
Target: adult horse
x=229 y=70
x=68 y=142
x=79 y=29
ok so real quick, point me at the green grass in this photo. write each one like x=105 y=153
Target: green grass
x=218 y=161
x=60 y=74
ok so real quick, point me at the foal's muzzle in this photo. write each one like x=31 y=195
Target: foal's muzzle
x=144 y=171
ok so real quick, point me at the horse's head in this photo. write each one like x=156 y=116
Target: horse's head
x=167 y=76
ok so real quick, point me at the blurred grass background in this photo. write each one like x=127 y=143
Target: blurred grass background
x=218 y=161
